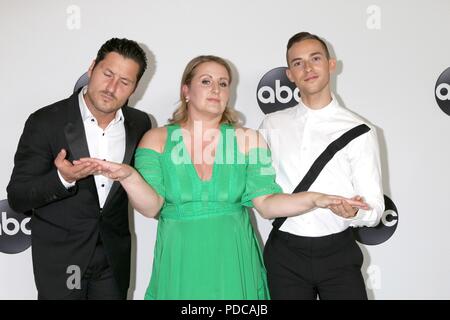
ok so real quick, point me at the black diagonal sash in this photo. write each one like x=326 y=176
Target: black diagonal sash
x=322 y=161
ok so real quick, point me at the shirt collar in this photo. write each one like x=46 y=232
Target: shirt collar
x=86 y=113
x=327 y=110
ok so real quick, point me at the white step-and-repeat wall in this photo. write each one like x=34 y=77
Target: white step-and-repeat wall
x=393 y=59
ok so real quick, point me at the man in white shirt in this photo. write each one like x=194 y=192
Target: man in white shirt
x=81 y=242
x=314 y=254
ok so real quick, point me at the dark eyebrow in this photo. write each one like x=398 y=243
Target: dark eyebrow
x=126 y=79
x=311 y=54
x=296 y=59
x=121 y=78
x=208 y=75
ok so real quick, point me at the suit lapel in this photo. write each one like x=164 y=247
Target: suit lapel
x=76 y=137
x=74 y=131
x=130 y=146
x=131 y=138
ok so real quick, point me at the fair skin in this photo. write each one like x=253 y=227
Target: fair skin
x=207 y=100
x=310 y=70
x=111 y=83
x=208 y=95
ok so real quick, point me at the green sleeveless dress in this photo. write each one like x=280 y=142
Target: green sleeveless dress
x=206 y=247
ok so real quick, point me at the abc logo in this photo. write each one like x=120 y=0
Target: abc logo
x=384 y=230
x=442 y=91
x=15 y=234
x=276 y=92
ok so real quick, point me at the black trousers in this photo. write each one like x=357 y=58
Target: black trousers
x=98 y=282
x=307 y=268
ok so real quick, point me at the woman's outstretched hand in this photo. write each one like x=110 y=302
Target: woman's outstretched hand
x=112 y=170
x=141 y=195
x=341 y=206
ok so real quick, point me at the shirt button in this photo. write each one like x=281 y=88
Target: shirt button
x=92 y=120
x=103 y=185
x=103 y=134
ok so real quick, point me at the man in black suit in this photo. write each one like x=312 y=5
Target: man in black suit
x=80 y=233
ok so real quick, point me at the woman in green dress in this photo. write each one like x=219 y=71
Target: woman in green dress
x=198 y=175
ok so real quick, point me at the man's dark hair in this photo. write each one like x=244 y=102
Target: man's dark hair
x=306 y=36
x=126 y=48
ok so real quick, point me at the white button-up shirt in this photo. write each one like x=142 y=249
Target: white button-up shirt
x=107 y=144
x=297 y=136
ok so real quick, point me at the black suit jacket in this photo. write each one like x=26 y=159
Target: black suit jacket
x=66 y=223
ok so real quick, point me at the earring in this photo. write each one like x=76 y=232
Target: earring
x=187 y=100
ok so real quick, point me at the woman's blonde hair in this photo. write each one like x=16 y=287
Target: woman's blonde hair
x=180 y=115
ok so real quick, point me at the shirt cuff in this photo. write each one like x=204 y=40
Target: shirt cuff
x=66 y=184
x=362 y=218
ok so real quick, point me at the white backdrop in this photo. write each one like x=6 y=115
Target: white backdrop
x=390 y=55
